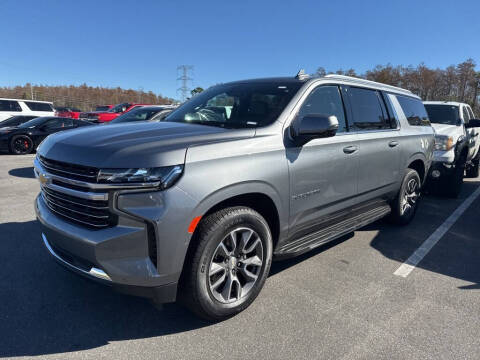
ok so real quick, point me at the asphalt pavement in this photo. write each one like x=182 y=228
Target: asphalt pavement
x=341 y=301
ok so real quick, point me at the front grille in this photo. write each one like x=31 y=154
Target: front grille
x=91 y=213
x=86 y=212
x=71 y=171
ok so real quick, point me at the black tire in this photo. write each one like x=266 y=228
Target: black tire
x=473 y=170
x=453 y=185
x=21 y=145
x=405 y=204
x=196 y=291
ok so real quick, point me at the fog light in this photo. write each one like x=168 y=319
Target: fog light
x=435 y=173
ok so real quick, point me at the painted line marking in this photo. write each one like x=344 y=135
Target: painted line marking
x=407 y=267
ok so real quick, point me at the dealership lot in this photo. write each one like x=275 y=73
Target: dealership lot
x=341 y=301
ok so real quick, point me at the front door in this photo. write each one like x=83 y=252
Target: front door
x=323 y=172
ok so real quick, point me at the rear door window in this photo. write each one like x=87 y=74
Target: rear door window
x=36 y=106
x=10 y=105
x=325 y=100
x=414 y=111
x=368 y=110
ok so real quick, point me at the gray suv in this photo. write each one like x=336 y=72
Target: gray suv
x=195 y=208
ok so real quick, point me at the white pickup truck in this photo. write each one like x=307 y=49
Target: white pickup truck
x=456 y=145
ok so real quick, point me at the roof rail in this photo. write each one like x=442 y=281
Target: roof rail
x=366 y=82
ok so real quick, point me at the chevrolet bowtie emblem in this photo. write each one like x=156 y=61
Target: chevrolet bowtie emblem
x=43 y=178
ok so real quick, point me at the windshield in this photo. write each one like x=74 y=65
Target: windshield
x=102 y=108
x=443 y=114
x=238 y=105
x=119 y=108
x=13 y=121
x=33 y=122
x=140 y=114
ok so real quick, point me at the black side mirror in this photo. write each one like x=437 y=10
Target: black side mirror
x=313 y=126
x=473 y=123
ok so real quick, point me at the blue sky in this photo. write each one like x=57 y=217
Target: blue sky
x=138 y=44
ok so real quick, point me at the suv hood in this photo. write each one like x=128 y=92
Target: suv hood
x=133 y=145
x=444 y=129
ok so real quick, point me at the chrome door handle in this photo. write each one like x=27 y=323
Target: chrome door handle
x=350 y=149
x=393 y=143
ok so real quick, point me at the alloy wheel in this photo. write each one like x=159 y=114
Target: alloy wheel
x=410 y=196
x=235 y=265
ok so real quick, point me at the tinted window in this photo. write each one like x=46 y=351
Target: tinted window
x=325 y=100
x=102 y=108
x=35 y=106
x=58 y=124
x=414 y=111
x=443 y=114
x=368 y=110
x=139 y=114
x=237 y=105
x=15 y=120
x=9 y=105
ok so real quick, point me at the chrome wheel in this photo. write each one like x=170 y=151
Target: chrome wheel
x=410 y=197
x=235 y=265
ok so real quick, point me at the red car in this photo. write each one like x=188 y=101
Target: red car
x=113 y=113
x=67 y=112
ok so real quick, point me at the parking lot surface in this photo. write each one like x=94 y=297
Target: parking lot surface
x=341 y=301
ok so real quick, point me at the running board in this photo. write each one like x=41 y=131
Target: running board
x=332 y=232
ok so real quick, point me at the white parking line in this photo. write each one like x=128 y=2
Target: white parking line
x=407 y=267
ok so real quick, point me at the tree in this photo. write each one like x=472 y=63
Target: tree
x=196 y=91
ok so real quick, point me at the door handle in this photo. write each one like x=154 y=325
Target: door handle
x=393 y=143
x=350 y=149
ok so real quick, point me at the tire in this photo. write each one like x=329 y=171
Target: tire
x=21 y=145
x=405 y=204
x=208 y=270
x=473 y=170
x=453 y=184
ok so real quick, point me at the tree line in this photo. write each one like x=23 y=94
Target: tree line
x=83 y=97
x=459 y=82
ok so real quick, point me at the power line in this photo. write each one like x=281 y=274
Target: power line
x=182 y=75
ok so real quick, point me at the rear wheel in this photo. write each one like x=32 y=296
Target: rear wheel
x=21 y=144
x=405 y=204
x=229 y=265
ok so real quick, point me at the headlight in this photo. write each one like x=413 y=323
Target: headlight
x=166 y=176
x=443 y=142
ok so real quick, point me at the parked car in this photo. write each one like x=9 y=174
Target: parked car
x=195 y=207
x=457 y=145
x=13 y=107
x=15 y=120
x=103 y=108
x=25 y=138
x=70 y=112
x=111 y=114
x=144 y=113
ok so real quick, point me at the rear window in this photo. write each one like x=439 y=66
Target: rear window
x=414 y=111
x=10 y=105
x=443 y=114
x=36 y=106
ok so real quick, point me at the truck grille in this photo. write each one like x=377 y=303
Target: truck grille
x=91 y=213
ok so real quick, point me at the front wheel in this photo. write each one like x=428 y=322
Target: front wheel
x=454 y=183
x=405 y=204
x=473 y=169
x=21 y=145
x=229 y=266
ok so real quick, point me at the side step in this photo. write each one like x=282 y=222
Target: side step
x=332 y=232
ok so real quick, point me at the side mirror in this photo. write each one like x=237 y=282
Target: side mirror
x=313 y=126
x=473 y=123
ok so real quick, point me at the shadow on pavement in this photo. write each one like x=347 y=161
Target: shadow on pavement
x=455 y=255
x=48 y=310
x=25 y=172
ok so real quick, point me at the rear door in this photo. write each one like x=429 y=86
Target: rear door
x=378 y=141
x=323 y=172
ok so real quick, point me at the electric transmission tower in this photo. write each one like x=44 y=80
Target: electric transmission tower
x=182 y=76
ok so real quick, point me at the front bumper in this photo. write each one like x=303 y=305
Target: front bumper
x=119 y=255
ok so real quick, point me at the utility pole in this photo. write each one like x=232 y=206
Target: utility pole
x=31 y=91
x=182 y=75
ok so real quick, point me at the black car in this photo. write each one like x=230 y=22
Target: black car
x=25 y=138
x=144 y=113
x=16 y=120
